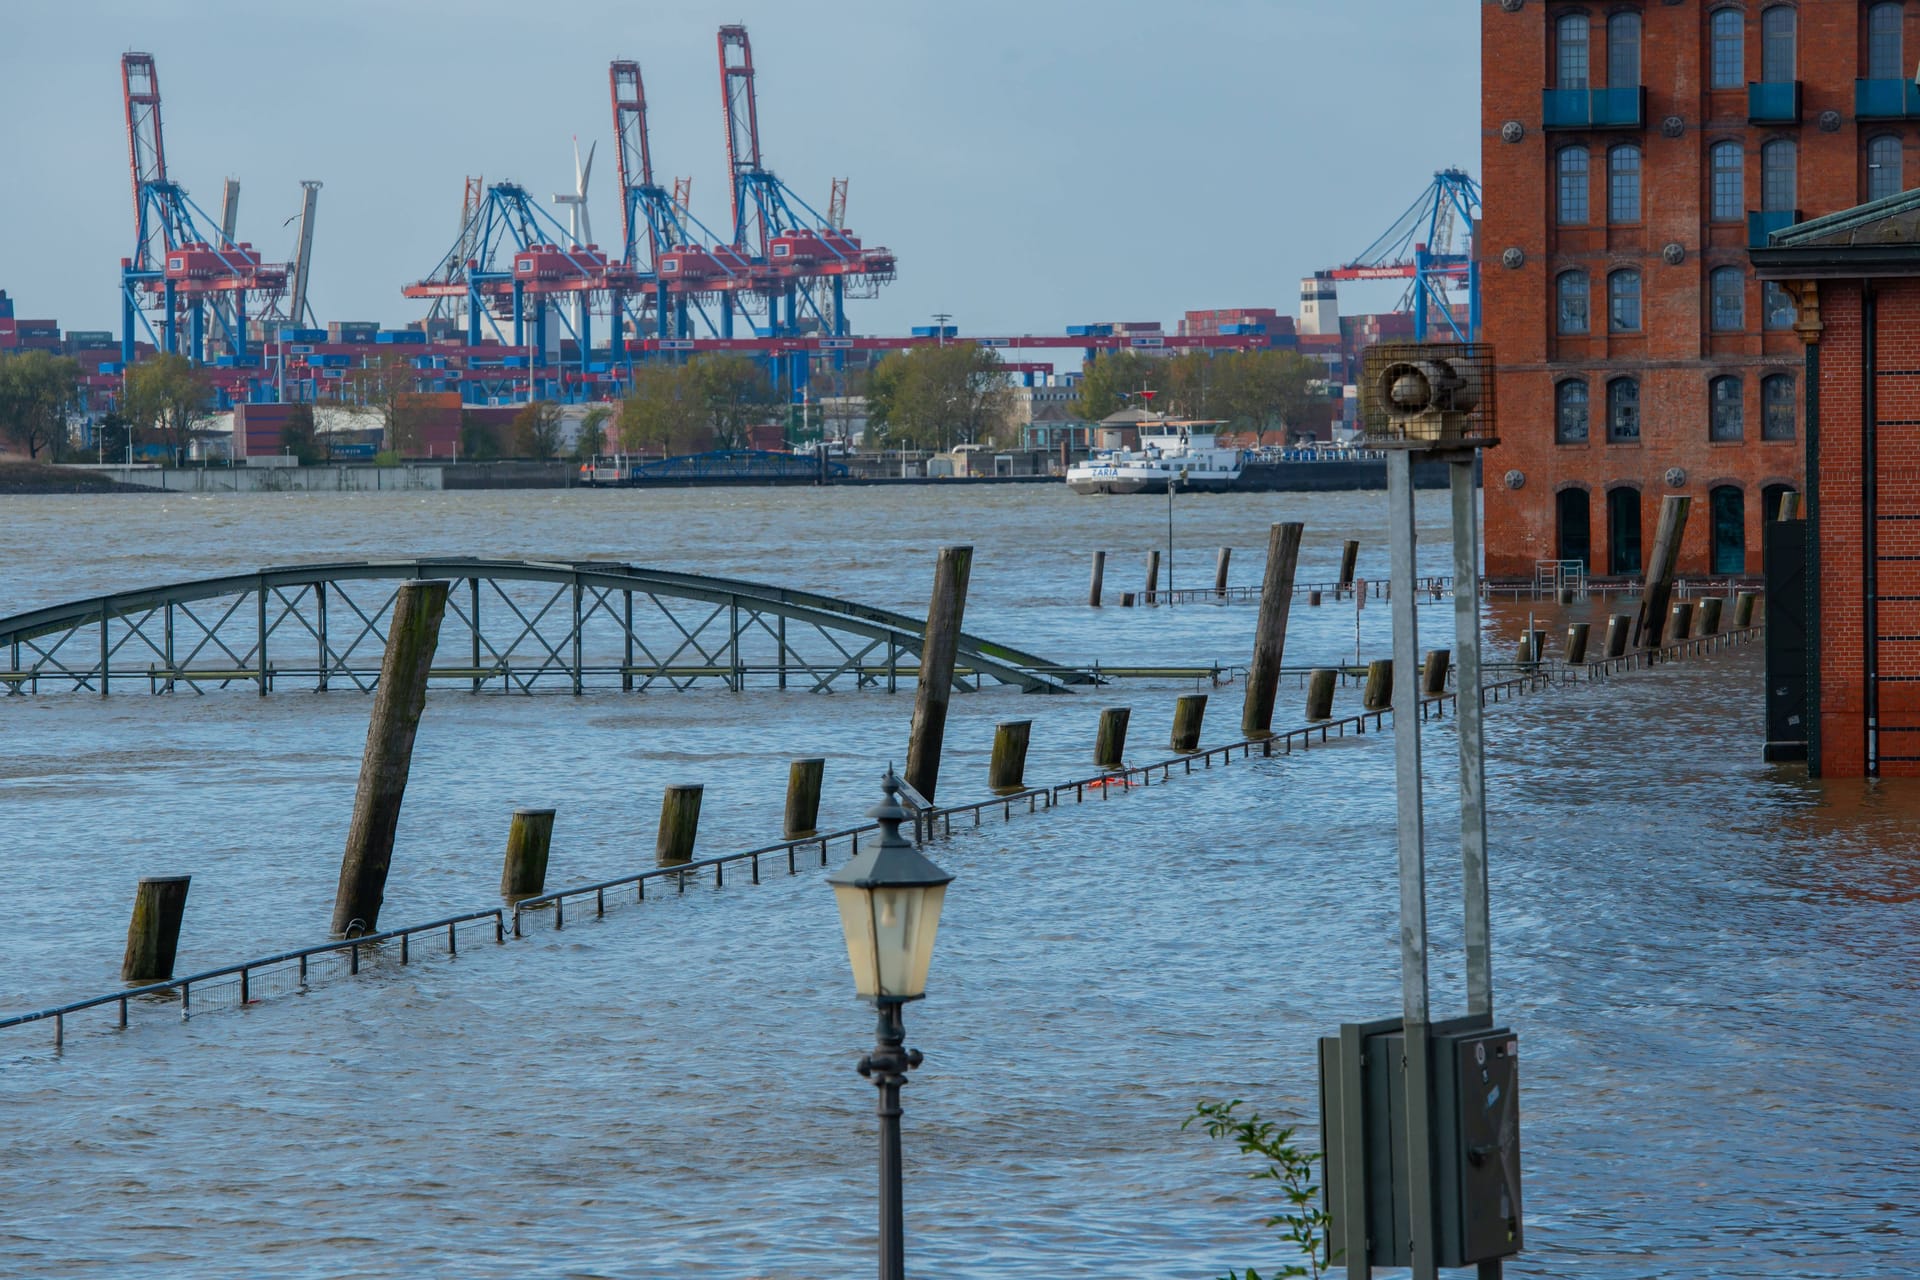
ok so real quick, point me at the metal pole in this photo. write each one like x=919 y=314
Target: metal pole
x=1471 y=730
x=1413 y=870
x=473 y=620
x=576 y=635
x=105 y=651
x=887 y=1067
x=261 y=657
x=320 y=631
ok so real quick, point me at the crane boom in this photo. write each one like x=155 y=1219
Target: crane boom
x=303 y=251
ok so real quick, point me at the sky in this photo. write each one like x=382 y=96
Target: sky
x=1032 y=163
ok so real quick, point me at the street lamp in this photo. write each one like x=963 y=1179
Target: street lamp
x=890 y=897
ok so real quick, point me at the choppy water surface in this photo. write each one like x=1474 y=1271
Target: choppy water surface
x=1711 y=963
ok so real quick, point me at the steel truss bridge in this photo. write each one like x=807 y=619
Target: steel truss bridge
x=511 y=626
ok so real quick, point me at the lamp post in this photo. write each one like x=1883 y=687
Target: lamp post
x=890 y=896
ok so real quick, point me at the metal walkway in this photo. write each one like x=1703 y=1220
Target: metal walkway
x=511 y=626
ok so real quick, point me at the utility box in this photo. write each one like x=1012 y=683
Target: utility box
x=1475 y=1119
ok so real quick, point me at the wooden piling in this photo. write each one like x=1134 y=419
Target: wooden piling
x=153 y=932
x=1578 y=634
x=1533 y=646
x=1679 y=620
x=1789 y=506
x=1743 y=608
x=1320 y=682
x=1313 y=598
x=1126 y=599
x=1270 y=631
x=1007 y=770
x=1565 y=595
x=529 y=839
x=1189 y=709
x=803 y=796
x=1619 y=634
x=1657 y=593
x=944 y=613
x=1433 y=672
x=1153 y=575
x=1706 y=616
x=1220 y=571
x=1110 y=746
x=1378 y=695
x=1099 y=576
x=679 y=824
x=413 y=633
x=1349 y=557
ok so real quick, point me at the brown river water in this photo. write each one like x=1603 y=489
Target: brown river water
x=1711 y=962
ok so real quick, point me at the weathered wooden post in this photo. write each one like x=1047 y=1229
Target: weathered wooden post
x=153 y=932
x=1619 y=634
x=1110 y=744
x=1378 y=694
x=1680 y=620
x=1565 y=595
x=1220 y=571
x=1313 y=599
x=1743 y=608
x=1153 y=576
x=803 y=796
x=679 y=824
x=413 y=632
x=944 y=612
x=1270 y=631
x=1099 y=577
x=529 y=839
x=1706 y=617
x=1657 y=593
x=1320 y=682
x=1189 y=709
x=1433 y=673
x=1577 y=635
x=1007 y=770
x=1349 y=557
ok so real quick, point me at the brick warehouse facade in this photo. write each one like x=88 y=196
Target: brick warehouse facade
x=1631 y=156
x=1857 y=277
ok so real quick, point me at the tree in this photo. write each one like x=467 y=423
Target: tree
x=536 y=430
x=1269 y=390
x=299 y=437
x=663 y=409
x=38 y=393
x=735 y=394
x=939 y=396
x=388 y=384
x=167 y=396
x=1301 y=1222
x=112 y=436
x=592 y=440
x=479 y=442
x=1107 y=381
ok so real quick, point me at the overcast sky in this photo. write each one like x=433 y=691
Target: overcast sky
x=1033 y=163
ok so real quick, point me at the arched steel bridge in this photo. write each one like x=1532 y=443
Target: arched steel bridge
x=511 y=626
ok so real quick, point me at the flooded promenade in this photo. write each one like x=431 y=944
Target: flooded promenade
x=1712 y=962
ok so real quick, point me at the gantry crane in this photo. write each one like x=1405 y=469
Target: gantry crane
x=1419 y=248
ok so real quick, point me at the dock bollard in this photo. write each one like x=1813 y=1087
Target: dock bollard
x=1378 y=695
x=1110 y=746
x=803 y=796
x=1320 y=682
x=1153 y=575
x=1619 y=634
x=153 y=932
x=1349 y=557
x=529 y=840
x=1576 y=650
x=1220 y=571
x=1706 y=616
x=1189 y=709
x=679 y=824
x=1433 y=673
x=1743 y=608
x=1099 y=576
x=1679 y=621
x=1007 y=770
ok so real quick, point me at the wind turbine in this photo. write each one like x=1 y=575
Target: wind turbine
x=578 y=225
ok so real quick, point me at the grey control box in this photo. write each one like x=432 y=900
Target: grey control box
x=1475 y=1150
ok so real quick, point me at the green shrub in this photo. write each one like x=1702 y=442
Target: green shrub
x=1301 y=1221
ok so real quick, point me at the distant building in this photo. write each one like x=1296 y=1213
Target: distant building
x=1048 y=416
x=1319 y=307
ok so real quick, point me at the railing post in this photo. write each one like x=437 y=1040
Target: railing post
x=626 y=663
x=106 y=651
x=261 y=617
x=319 y=633
x=578 y=591
x=473 y=619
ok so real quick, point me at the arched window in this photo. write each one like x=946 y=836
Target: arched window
x=1570 y=52
x=1570 y=290
x=1883 y=167
x=1573 y=186
x=1574 y=535
x=1623 y=184
x=1777 y=53
x=1623 y=51
x=1623 y=530
x=1623 y=411
x=1776 y=407
x=1728 y=503
x=1729 y=163
x=1623 y=302
x=1777 y=303
x=1779 y=173
x=1727 y=287
x=1726 y=416
x=1729 y=36
x=1570 y=412
x=1883 y=43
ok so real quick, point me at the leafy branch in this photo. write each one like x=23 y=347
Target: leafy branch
x=1302 y=1222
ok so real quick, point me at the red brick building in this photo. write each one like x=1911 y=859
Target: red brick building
x=1632 y=154
x=1857 y=277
